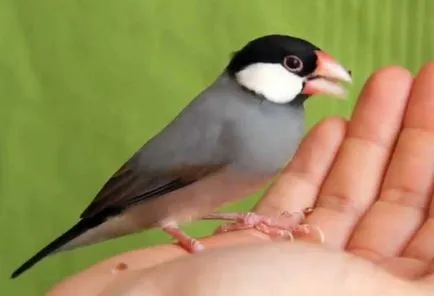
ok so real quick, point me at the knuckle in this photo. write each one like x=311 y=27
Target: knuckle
x=405 y=196
x=342 y=203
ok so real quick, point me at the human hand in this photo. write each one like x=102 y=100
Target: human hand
x=369 y=181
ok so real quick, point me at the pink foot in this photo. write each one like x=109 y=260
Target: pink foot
x=271 y=231
x=187 y=242
x=283 y=226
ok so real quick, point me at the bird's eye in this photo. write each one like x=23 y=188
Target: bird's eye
x=293 y=63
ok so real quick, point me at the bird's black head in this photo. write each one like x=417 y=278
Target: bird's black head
x=280 y=68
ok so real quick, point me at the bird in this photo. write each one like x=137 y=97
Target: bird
x=228 y=142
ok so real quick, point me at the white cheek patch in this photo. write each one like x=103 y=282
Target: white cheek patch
x=273 y=81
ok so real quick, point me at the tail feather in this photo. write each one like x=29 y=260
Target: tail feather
x=78 y=229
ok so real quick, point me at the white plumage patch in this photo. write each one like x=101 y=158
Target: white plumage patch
x=273 y=81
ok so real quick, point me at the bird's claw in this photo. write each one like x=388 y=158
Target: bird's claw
x=308 y=229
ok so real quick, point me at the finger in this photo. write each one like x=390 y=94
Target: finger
x=429 y=275
x=405 y=268
x=393 y=220
x=422 y=245
x=299 y=184
x=355 y=178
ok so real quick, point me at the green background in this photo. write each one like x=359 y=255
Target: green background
x=84 y=83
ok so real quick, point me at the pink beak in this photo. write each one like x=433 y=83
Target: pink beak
x=325 y=80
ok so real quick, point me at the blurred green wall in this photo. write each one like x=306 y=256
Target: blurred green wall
x=84 y=83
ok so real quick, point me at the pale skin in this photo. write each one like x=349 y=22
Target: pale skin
x=369 y=180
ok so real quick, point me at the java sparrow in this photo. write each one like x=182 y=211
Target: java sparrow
x=233 y=138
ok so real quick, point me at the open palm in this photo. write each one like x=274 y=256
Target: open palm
x=369 y=181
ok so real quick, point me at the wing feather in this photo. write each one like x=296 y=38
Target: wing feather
x=134 y=182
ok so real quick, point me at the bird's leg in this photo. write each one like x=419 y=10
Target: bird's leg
x=187 y=242
x=284 y=225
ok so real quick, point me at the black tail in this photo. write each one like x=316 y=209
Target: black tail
x=81 y=227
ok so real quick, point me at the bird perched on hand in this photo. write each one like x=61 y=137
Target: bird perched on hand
x=233 y=138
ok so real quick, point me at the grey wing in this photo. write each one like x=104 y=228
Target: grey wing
x=128 y=187
x=180 y=155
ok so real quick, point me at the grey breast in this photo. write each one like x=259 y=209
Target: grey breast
x=263 y=135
